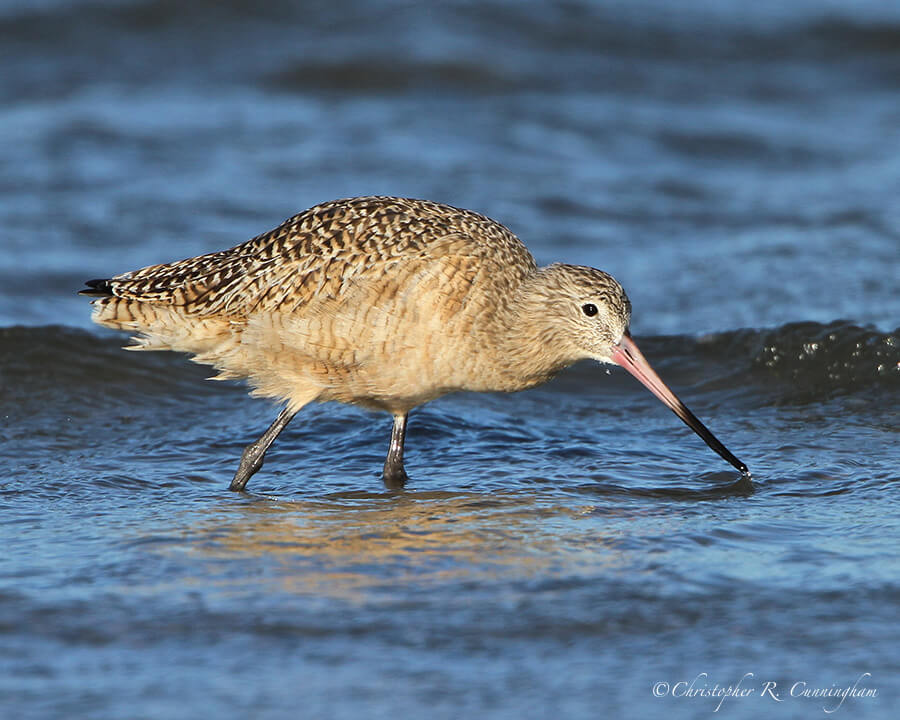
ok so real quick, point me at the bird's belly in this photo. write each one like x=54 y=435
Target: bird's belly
x=398 y=382
x=395 y=382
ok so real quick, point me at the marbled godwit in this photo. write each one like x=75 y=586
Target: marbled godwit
x=381 y=302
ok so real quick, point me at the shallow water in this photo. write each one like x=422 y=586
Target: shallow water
x=563 y=550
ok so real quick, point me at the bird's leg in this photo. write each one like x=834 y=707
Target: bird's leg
x=254 y=454
x=394 y=476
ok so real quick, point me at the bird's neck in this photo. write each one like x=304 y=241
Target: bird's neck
x=534 y=346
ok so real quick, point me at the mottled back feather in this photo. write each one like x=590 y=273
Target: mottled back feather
x=322 y=251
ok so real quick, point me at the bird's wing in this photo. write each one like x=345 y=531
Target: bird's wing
x=327 y=253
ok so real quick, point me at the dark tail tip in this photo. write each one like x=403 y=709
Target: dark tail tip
x=97 y=288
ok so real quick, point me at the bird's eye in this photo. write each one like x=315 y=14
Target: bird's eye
x=589 y=309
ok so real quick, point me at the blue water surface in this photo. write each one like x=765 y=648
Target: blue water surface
x=572 y=550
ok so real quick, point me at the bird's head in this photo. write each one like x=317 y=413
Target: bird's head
x=586 y=311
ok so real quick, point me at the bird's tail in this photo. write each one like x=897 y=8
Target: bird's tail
x=97 y=288
x=158 y=325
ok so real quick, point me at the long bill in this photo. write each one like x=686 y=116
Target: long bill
x=627 y=355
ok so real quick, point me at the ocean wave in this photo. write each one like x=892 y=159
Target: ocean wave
x=800 y=360
x=839 y=356
x=649 y=25
x=378 y=74
x=493 y=46
x=795 y=360
x=41 y=365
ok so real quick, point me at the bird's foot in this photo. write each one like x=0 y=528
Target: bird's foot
x=394 y=479
x=251 y=461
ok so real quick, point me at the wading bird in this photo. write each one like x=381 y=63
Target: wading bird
x=381 y=302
